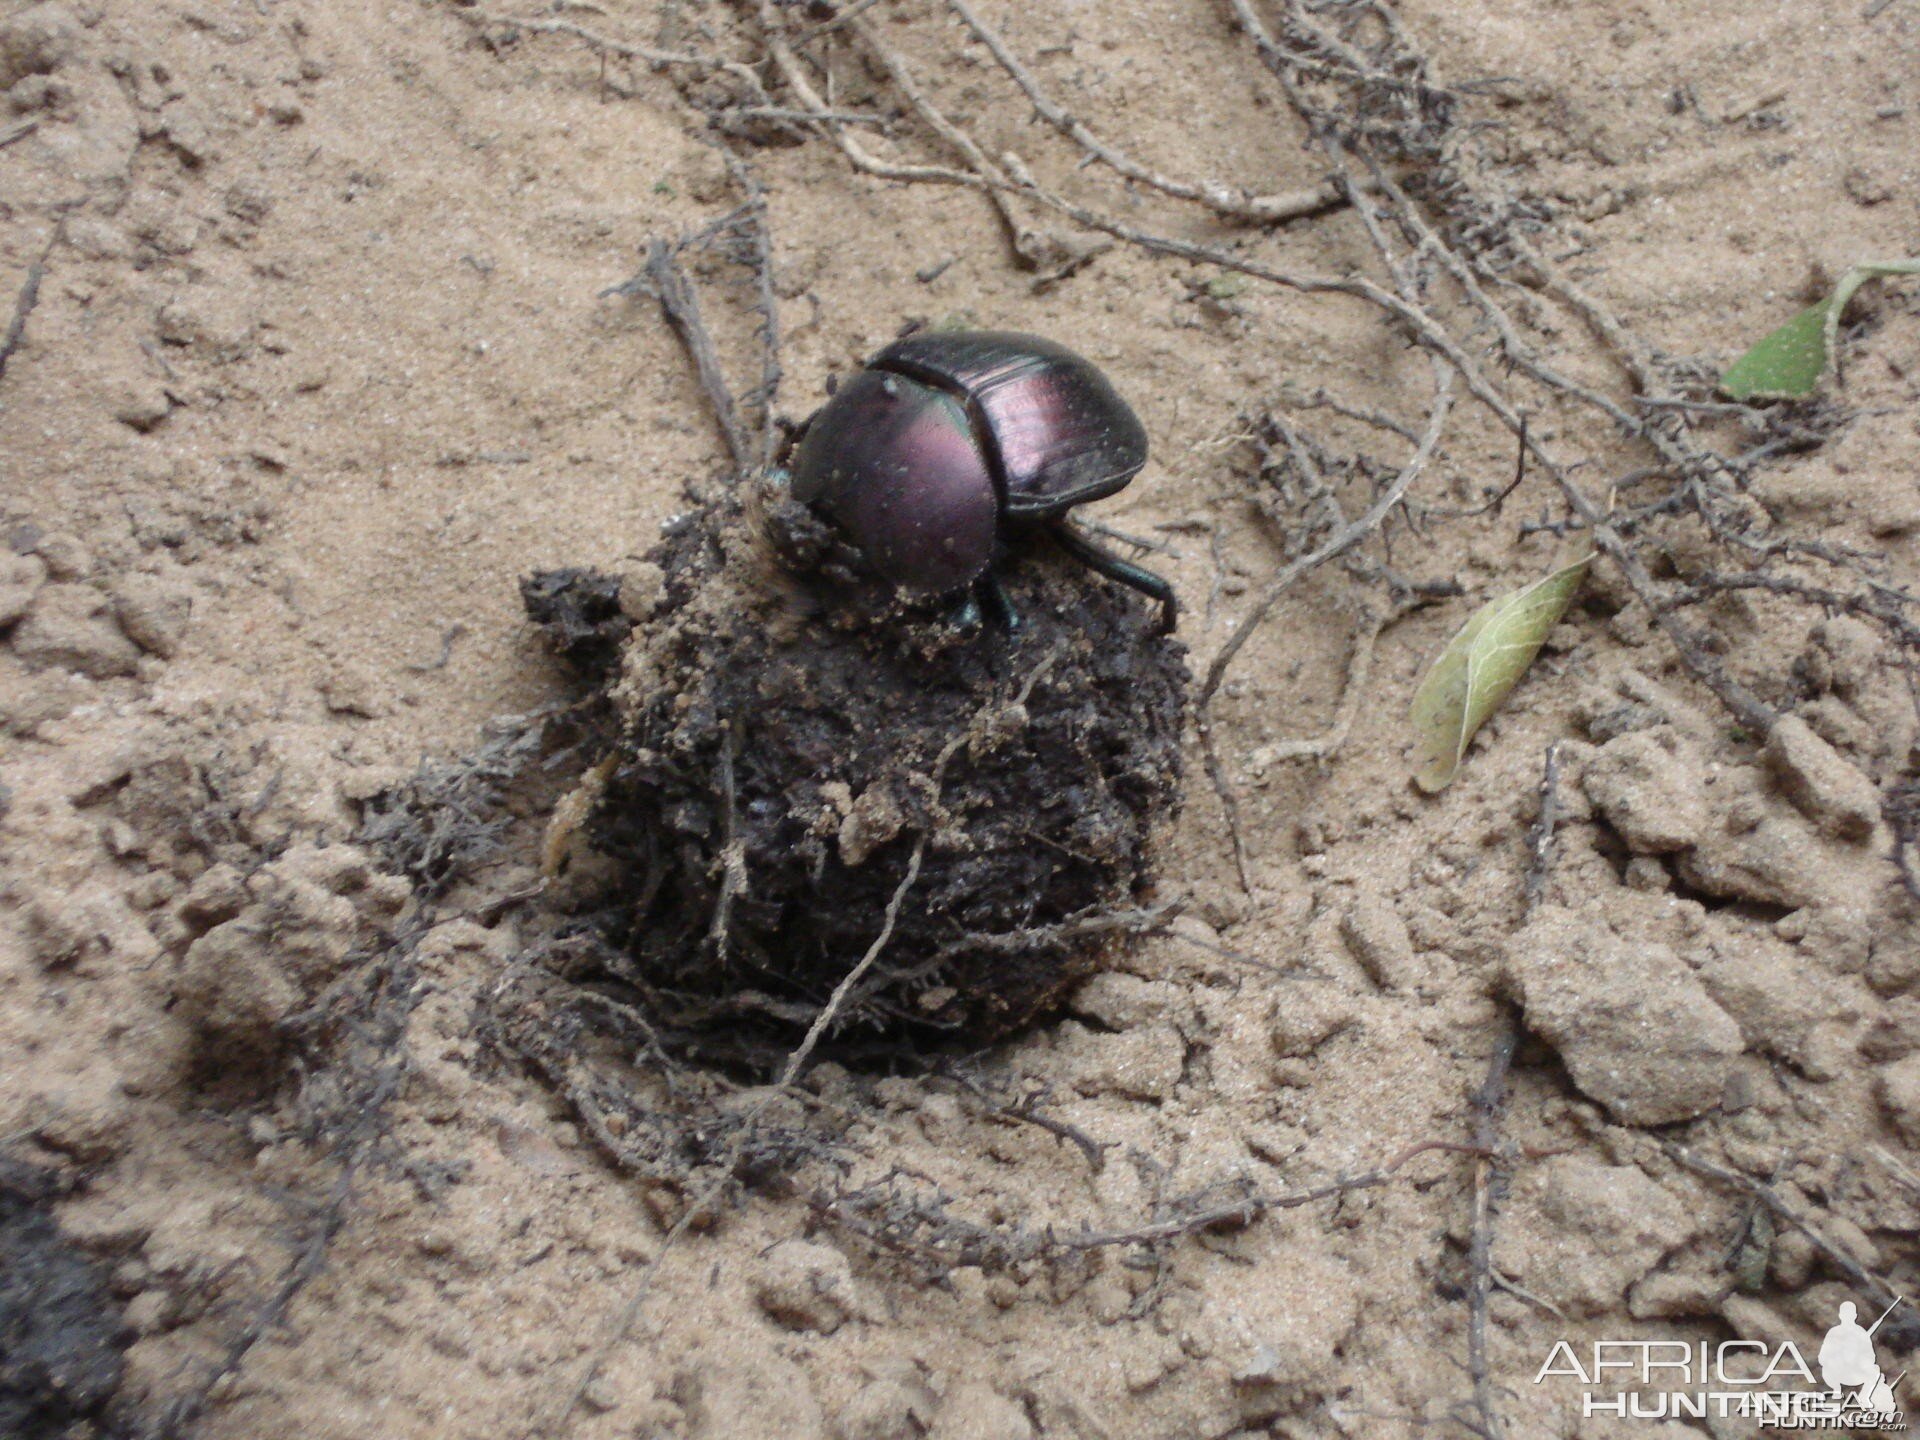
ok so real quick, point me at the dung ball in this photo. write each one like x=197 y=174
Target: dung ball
x=802 y=766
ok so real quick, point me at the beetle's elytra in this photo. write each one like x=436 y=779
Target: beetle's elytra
x=949 y=441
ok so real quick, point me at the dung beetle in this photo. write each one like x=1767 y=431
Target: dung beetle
x=947 y=442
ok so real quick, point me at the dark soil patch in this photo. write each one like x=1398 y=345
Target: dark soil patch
x=61 y=1333
x=580 y=612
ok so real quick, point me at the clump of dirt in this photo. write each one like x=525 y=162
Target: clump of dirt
x=580 y=612
x=803 y=762
x=326 y=907
x=61 y=1333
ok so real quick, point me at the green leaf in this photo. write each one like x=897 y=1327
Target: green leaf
x=1480 y=667
x=1787 y=364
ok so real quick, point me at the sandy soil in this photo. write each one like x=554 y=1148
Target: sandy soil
x=321 y=364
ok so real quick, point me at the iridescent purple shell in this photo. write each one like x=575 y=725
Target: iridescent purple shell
x=897 y=464
x=946 y=436
x=1063 y=433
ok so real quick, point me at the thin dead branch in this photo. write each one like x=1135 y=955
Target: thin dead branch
x=1781 y=1209
x=1036 y=250
x=1489 y=1180
x=1223 y=200
x=839 y=22
x=668 y=283
x=1339 y=542
x=1326 y=745
x=837 y=1001
x=1027 y=1109
x=917 y=1226
x=1540 y=836
x=25 y=301
x=622 y=49
x=914 y=1222
x=767 y=305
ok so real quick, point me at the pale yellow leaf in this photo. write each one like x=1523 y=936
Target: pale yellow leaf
x=1480 y=666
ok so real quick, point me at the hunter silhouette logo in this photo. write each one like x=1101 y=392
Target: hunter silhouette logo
x=1748 y=1379
x=1847 y=1363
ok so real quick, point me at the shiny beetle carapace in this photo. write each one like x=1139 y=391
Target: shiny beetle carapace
x=947 y=442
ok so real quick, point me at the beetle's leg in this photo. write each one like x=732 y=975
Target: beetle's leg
x=1137 y=577
x=993 y=600
x=966 y=615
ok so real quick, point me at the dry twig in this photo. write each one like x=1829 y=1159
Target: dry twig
x=1781 y=1209
x=1221 y=199
x=920 y=1229
x=1326 y=745
x=622 y=49
x=1489 y=1179
x=1540 y=837
x=25 y=301
x=668 y=282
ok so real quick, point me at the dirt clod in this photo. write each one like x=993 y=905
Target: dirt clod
x=1828 y=788
x=1378 y=938
x=806 y=1286
x=974 y=1411
x=1649 y=792
x=1637 y=1030
x=322 y=905
x=36 y=41
x=21 y=577
x=1633 y=1220
x=71 y=626
x=581 y=614
x=153 y=610
x=1900 y=1094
